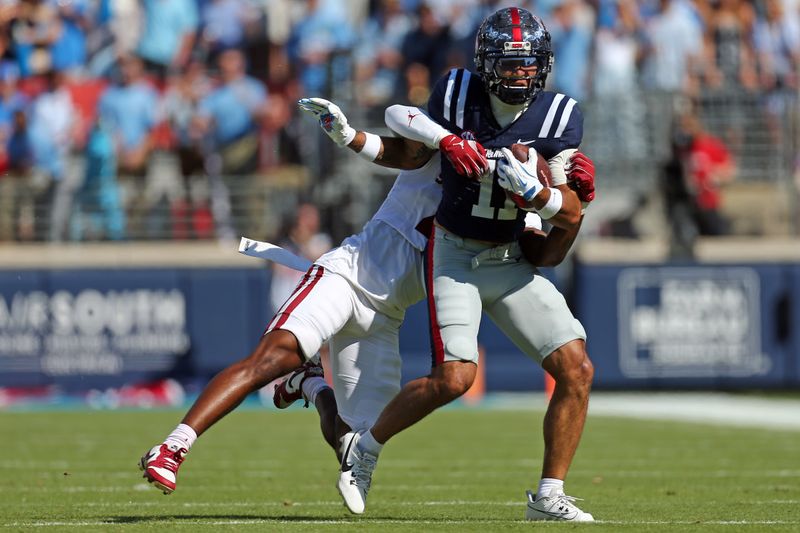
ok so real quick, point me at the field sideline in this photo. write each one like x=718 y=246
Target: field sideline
x=459 y=470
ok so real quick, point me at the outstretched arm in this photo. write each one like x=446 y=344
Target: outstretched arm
x=393 y=152
x=467 y=156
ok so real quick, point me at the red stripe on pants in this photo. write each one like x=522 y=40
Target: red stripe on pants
x=303 y=289
x=436 y=335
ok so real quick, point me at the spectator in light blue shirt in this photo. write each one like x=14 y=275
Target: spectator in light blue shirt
x=324 y=29
x=69 y=49
x=168 y=34
x=129 y=112
x=231 y=113
x=225 y=23
x=572 y=28
x=230 y=118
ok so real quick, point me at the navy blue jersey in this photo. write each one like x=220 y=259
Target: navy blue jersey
x=552 y=123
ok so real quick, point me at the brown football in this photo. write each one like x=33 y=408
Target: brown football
x=531 y=240
x=521 y=153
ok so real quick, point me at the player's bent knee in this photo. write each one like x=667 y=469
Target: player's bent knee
x=584 y=373
x=453 y=378
x=277 y=354
x=581 y=372
x=570 y=365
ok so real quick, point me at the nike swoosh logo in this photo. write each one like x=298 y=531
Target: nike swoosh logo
x=346 y=467
x=520 y=141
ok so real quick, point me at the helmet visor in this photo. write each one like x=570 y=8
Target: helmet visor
x=515 y=67
x=522 y=67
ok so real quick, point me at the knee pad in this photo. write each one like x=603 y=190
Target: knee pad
x=462 y=347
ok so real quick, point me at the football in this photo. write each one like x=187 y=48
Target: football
x=521 y=153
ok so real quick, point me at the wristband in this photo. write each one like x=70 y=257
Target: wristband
x=372 y=147
x=553 y=205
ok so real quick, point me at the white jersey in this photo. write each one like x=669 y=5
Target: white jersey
x=414 y=196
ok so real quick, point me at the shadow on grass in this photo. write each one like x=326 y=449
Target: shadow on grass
x=257 y=519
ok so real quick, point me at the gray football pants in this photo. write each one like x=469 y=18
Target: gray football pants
x=470 y=276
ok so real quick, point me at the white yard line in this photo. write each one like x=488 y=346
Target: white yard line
x=365 y=521
x=710 y=408
x=700 y=407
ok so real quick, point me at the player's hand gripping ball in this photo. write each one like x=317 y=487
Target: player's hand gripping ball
x=521 y=153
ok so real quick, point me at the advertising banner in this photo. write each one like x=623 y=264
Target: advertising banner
x=98 y=328
x=685 y=326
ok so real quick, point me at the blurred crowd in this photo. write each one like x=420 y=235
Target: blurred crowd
x=95 y=95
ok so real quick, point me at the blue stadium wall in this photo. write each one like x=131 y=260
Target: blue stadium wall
x=680 y=326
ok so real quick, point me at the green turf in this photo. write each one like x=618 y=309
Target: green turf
x=459 y=470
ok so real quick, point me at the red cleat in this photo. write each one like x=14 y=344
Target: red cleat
x=160 y=466
x=290 y=389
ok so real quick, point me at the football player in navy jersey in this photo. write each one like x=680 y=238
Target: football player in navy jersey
x=473 y=259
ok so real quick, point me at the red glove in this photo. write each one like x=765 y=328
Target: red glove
x=467 y=157
x=580 y=176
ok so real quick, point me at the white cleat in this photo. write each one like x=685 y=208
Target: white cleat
x=355 y=476
x=556 y=506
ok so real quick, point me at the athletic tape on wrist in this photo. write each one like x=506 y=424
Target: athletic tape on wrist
x=372 y=146
x=553 y=205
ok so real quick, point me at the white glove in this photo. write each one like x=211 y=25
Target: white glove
x=517 y=177
x=331 y=119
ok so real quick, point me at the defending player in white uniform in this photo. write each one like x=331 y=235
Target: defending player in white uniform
x=362 y=291
x=353 y=290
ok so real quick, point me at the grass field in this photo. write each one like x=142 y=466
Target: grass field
x=459 y=470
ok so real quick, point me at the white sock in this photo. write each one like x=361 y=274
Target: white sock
x=367 y=443
x=182 y=436
x=313 y=386
x=547 y=484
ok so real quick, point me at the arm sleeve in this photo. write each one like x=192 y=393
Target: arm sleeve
x=569 y=141
x=412 y=123
x=557 y=165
